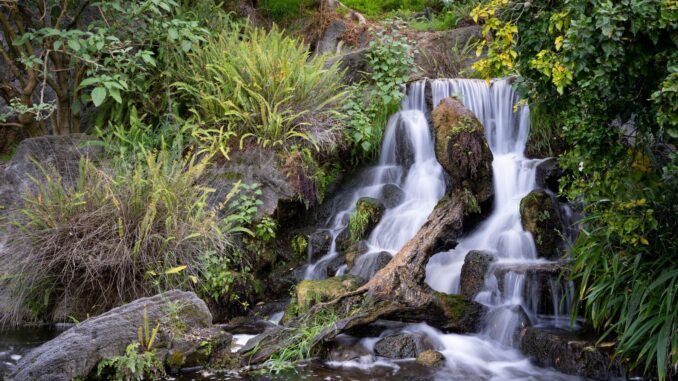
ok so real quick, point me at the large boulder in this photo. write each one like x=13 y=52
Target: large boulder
x=540 y=216
x=354 y=64
x=185 y=327
x=255 y=165
x=402 y=345
x=570 y=353
x=472 y=278
x=461 y=148
x=329 y=42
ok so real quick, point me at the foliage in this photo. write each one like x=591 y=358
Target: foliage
x=281 y=10
x=264 y=87
x=114 y=235
x=301 y=341
x=365 y=215
x=609 y=70
x=453 y=13
x=310 y=178
x=391 y=58
x=381 y=8
x=132 y=366
x=108 y=61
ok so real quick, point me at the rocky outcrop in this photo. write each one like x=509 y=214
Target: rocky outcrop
x=461 y=148
x=329 y=42
x=442 y=54
x=402 y=345
x=319 y=243
x=472 y=278
x=185 y=325
x=430 y=358
x=540 y=216
x=354 y=64
x=255 y=165
x=392 y=195
x=570 y=353
x=548 y=174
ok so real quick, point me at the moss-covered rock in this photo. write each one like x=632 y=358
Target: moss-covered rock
x=461 y=148
x=311 y=292
x=539 y=215
x=366 y=215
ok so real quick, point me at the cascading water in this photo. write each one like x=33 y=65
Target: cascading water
x=408 y=161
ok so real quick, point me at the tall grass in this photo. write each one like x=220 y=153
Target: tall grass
x=111 y=237
x=264 y=86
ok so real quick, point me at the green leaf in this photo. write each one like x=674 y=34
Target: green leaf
x=74 y=45
x=99 y=96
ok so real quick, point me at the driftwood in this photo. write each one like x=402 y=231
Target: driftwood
x=398 y=291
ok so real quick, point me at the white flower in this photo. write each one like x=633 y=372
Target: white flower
x=581 y=166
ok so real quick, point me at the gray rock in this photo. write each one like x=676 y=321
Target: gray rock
x=354 y=63
x=546 y=285
x=473 y=272
x=247 y=325
x=345 y=349
x=369 y=264
x=254 y=165
x=404 y=147
x=569 y=353
x=392 y=195
x=319 y=243
x=331 y=37
x=548 y=174
x=402 y=345
x=185 y=322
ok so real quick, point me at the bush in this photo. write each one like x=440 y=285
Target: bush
x=113 y=236
x=263 y=86
x=378 y=8
x=281 y=10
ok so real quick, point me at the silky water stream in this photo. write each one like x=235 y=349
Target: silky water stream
x=407 y=162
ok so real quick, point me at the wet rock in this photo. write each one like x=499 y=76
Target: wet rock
x=247 y=325
x=319 y=243
x=310 y=292
x=345 y=350
x=540 y=216
x=402 y=345
x=430 y=358
x=331 y=37
x=354 y=251
x=548 y=174
x=368 y=264
x=545 y=284
x=473 y=272
x=569 y=353
x=462 y=150
x=404 y=150
x=367 y=214
x=75 y=353
x=392 y=195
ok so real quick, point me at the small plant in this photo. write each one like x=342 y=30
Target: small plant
x=266 y=229
x=365 y=216
x=132 y=366
x=299 y=245
x=301 y=341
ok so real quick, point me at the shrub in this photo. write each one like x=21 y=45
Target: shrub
x=263 y=86
x=380 y=8
x=113 y=236
x=281 y=10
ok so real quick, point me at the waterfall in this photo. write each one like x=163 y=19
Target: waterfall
x=407 y=161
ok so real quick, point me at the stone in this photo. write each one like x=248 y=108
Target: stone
x=369 y=211
x=570 y=353
x=255 y=165
x=548 y=174
x=353 y=252
x=345 y=349
x=392 y=196
x=545 y=284
x=540 y=215
x=319 y=244
x=331 y=37
x=473 y=272
x=430 y=358
x=368 y=264
x=462 y=149
x=247 y=325
x=404 y=150
x=402 y=345
x=440 y=54
x=185 y=325
x=310 y=292
x=354 y=64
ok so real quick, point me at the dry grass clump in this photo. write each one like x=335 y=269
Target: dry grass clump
x=111 y=237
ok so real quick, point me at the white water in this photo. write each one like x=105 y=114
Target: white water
x=416 y=173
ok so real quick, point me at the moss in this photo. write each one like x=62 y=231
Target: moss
x=539 y=216
x=453 y=305
x=364 y=218
x=311 y=292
